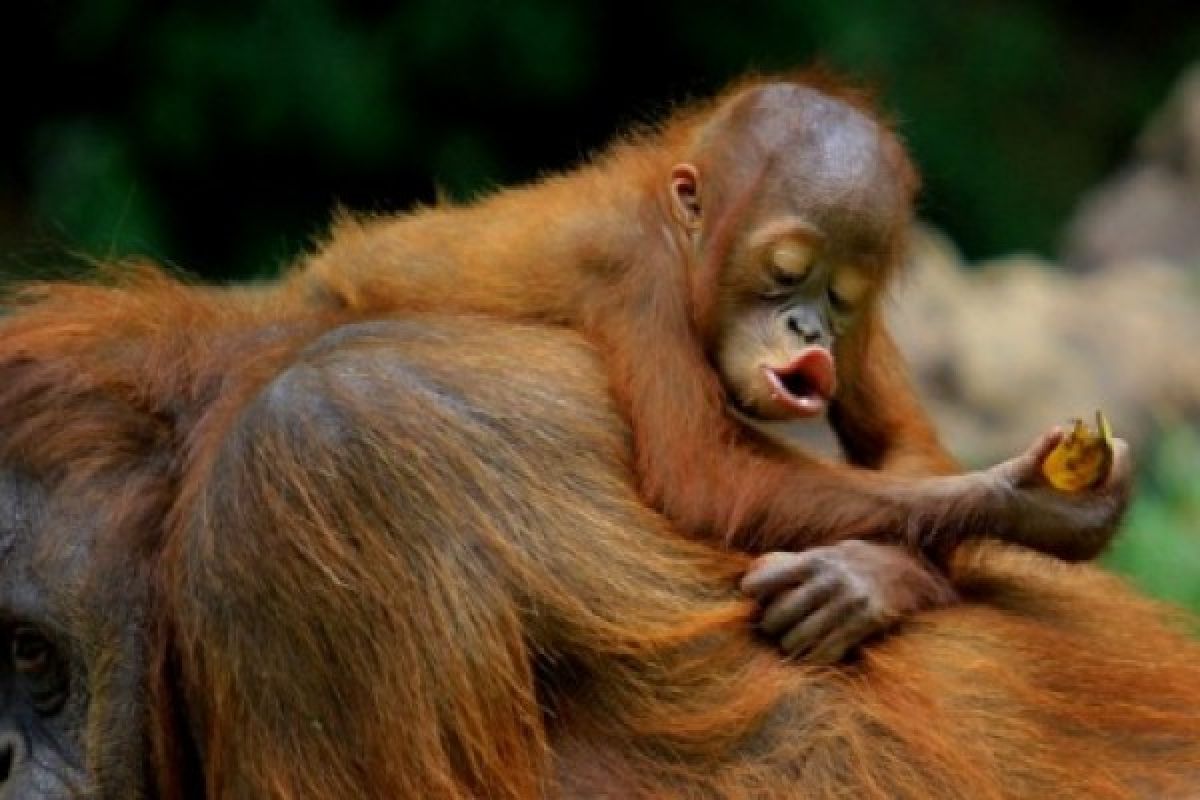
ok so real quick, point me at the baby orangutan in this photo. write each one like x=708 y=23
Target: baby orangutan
x=730 y=267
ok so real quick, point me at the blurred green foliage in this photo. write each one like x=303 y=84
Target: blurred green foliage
x=217 y=135
x=1159 y=548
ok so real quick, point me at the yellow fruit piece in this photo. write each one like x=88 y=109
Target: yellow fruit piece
x=1083 y=457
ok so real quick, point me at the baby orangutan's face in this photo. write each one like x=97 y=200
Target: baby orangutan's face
x=782 y=310
x=802 y=247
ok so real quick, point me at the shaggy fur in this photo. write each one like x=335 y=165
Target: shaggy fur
x=406 y=558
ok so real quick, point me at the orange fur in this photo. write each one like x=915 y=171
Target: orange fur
x=376 y=578
x=597 y=249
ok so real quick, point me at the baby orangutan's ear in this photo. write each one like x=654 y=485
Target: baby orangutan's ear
x=685 y=195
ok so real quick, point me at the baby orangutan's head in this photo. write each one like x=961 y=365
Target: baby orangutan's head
x=800 y=200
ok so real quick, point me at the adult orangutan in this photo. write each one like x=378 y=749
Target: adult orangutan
x=723 y=264
x=325 y=556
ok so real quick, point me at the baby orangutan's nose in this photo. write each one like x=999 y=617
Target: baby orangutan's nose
x=805 y=324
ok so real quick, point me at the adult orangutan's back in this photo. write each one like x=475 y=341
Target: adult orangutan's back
x=411 y=562
x=327 y=558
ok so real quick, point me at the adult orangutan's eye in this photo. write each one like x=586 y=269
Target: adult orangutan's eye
x=37 y=663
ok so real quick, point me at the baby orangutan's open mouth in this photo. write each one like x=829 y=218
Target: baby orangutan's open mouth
x=805 y=385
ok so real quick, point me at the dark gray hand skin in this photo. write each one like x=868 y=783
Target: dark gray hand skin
x=1075 y=526
x=72 y=654
x=821 y=603
x=1010 y=502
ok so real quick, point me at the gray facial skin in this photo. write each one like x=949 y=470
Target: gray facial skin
x=71 y=650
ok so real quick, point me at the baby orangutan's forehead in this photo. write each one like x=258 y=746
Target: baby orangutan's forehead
x=825 y=161
x=850 y=203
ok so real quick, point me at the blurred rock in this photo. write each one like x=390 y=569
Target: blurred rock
x=1003 y=351
x=1152 y=206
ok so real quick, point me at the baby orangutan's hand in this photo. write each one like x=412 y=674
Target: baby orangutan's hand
x=1073 y=525
x=820 y=604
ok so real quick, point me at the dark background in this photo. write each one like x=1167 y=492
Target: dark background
x=217 y=136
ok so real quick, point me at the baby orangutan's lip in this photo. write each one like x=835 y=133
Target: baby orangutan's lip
x=806 y=384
